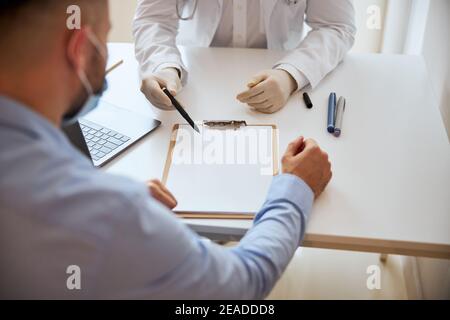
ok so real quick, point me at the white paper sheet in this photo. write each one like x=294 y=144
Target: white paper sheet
x=221 y=171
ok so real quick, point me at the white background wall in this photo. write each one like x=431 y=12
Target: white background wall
x=435 y=274
x=436 y=51
x=368 y=40
x=122 y=12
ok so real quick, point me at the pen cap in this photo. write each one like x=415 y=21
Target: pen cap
x=307 y=100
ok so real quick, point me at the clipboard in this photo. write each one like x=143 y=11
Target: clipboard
x=201 y=186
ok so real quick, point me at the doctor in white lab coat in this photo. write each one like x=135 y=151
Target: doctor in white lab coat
x=161 y=25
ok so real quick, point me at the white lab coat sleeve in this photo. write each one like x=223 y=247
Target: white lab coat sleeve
x=299 y=77
x=332 y=36
x=155 y=28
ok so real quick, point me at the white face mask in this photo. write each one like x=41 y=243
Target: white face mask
x=93 y=98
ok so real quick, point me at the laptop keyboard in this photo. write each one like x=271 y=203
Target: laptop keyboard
x=101 y=141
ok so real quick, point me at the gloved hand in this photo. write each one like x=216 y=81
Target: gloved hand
x=269 y=91
x=152 y=87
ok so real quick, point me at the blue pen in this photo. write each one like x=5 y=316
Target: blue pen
x=331 y=112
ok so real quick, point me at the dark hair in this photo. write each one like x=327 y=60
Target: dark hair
x=30 y=17
x=8 y=6
x=11 y=4
x=23 y=14
x=11 y=8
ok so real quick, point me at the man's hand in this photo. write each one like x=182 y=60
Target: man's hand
x=307 y=161
x=153 y=85
x=268 y=91
x=160 y=193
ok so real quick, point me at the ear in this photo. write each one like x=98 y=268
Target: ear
x=77 y=48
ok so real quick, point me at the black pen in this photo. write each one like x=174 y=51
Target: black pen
x=307 y=100
x=181 y=110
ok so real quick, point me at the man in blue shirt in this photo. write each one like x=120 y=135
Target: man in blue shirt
x=57 y=211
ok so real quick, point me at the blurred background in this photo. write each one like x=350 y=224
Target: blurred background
x=418 y=27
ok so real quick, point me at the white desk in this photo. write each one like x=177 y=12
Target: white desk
x=390 y=189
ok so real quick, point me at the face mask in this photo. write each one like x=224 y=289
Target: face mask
x=93 y=97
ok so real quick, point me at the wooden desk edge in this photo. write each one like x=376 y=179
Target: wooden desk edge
x=404 y=248
x=383 y=246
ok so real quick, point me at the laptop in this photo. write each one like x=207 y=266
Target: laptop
x=108 y=131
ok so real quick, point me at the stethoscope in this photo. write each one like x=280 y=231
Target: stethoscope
x=191 y=16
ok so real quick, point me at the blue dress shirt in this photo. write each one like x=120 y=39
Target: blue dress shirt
x=57 y=211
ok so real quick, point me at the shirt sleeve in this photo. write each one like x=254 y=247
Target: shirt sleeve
x=153 y=255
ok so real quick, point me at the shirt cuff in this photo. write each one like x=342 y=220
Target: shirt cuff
x=298 y=76
x=287 y=187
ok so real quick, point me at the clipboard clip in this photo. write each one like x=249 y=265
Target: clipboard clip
x=223 y=124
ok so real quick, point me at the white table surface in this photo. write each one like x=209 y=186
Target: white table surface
x=390 y=192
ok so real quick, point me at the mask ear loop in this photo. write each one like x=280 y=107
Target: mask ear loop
x=81 y=74
x=84 y=80
x=100 y=48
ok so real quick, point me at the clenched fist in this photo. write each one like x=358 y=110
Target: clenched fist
x=306 y=160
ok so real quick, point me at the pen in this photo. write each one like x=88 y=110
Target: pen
x=113 y=67
x=340 y=109
x=307 y=100
x=331 y=112
x=181 y=110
